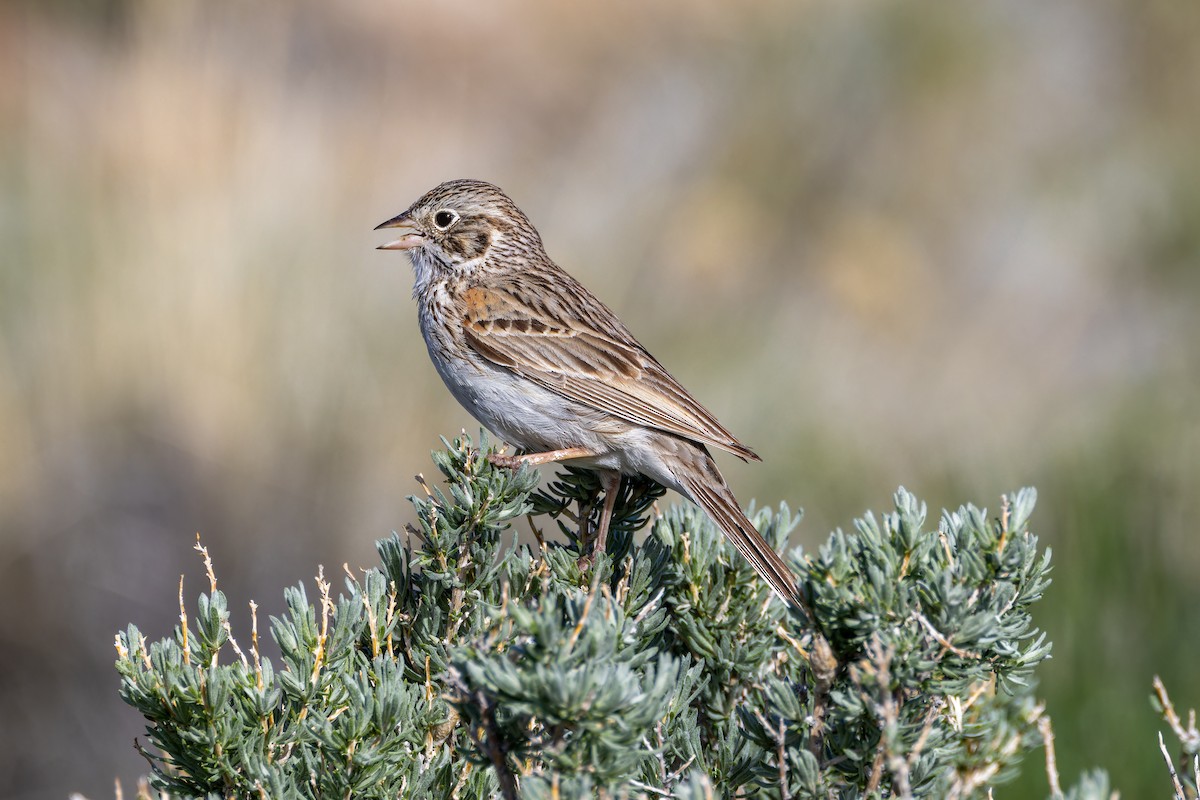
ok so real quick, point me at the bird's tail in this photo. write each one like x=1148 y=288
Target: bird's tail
x=708 y=489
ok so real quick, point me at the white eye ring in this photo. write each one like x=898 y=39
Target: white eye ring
x=444 y=218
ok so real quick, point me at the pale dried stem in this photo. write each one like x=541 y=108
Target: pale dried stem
x=1162 y=746
x=254 y=643
x=1051 y=761
x=942 y=640
x=183 y=625
x=326 y=610
x=1189 y=737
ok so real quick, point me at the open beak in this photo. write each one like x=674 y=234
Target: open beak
x=410 y=237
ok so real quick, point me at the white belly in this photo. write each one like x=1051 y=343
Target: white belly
x=538 y=420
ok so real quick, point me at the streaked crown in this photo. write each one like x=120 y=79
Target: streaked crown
x=461 y=221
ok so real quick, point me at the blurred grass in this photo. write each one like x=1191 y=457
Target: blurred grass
x=953 y=248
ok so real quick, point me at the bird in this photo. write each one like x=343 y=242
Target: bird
x=538 y=360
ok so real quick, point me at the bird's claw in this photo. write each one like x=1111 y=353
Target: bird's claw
x=505 y=462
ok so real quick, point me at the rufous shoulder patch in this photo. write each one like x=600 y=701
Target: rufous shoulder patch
x=481 y=304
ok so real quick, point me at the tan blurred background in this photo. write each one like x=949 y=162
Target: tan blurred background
x=949 y=246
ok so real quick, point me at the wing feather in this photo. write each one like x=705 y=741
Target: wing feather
x=570 y=343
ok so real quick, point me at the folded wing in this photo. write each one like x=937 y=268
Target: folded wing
x=560 y=337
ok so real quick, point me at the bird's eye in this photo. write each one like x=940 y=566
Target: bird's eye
x=444 y=219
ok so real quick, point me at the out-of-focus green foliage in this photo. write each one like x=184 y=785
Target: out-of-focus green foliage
x=469 y=663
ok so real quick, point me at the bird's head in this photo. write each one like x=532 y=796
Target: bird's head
x=457 y=226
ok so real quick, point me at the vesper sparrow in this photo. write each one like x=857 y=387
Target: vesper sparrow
x=537 y=359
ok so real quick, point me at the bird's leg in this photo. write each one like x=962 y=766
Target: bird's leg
x=610 y=480
x=537 y=459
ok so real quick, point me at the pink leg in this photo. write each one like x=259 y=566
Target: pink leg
x=610 y=481
x=612 y=484
x=536 y=459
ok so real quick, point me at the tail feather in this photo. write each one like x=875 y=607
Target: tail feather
x=719 y=503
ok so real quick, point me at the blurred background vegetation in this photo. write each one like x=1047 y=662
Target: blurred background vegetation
x=950 y=246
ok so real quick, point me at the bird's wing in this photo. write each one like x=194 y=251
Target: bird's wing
x=558 y=335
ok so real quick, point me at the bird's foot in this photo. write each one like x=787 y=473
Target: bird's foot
x=505 y=462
